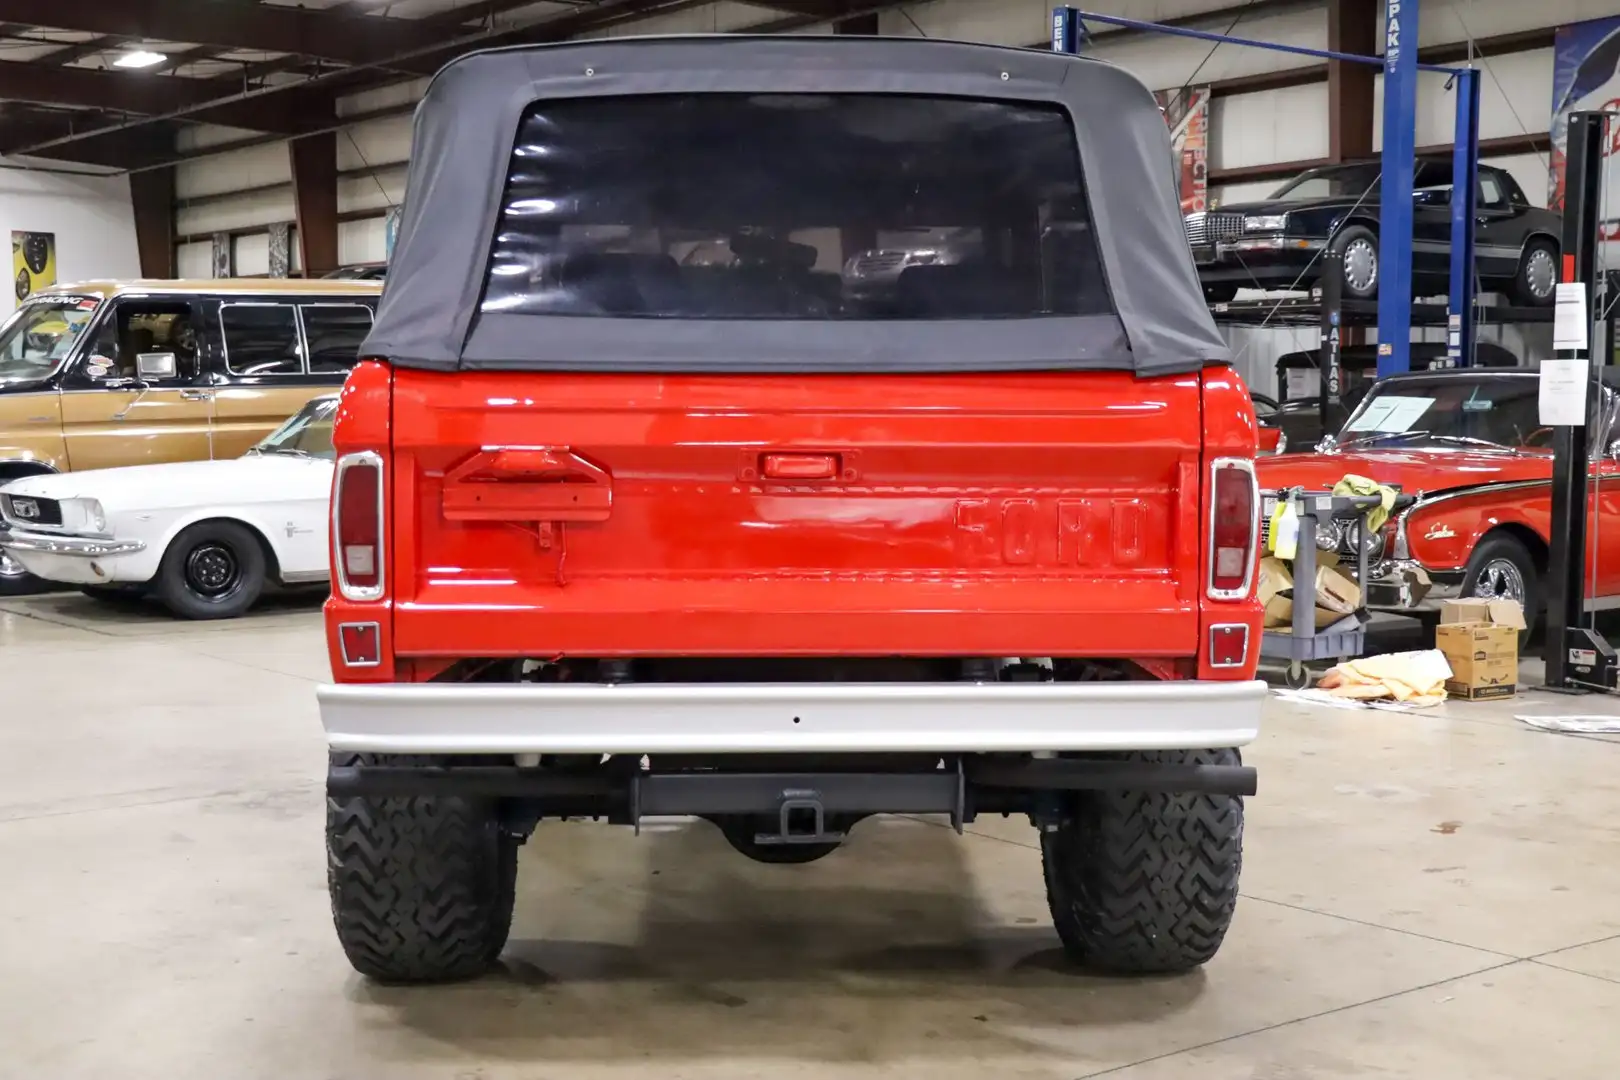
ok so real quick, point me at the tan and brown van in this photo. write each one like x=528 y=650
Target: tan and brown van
x=105 y=373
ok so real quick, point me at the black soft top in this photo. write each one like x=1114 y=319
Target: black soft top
x=467 y=124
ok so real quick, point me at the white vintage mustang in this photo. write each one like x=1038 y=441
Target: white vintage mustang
x=204 y=537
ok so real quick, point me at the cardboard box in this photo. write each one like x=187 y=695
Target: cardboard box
x=1274 y=578
x=1482 y=610
x=1480 y=640
x=1280 y=614
x=1336 y=592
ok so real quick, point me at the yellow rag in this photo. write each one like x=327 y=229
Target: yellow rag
x=1360 y=485
x=1415 y=678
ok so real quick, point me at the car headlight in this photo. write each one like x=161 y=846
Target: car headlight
x=83 y=515
x=1265 y=223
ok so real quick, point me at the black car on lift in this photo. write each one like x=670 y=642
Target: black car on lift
x=1279 y=243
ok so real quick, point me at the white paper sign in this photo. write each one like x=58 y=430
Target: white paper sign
x=1571 y=324
x=1303 y=383
x=1563 y=392
x=1391 y=413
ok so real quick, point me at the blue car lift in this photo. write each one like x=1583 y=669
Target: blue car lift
x=1400 y=66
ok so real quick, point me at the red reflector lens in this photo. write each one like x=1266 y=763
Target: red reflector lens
x=361 y=644
x=1228 y=645
x=1232 y=530
x=357 y=526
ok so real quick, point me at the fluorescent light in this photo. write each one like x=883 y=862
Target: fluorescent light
x=139 y=58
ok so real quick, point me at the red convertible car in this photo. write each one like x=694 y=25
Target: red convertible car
x=1469 y=445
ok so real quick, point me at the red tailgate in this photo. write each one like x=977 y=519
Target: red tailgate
x=604 y=515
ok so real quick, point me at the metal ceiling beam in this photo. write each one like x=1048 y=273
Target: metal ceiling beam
x=343 y=38
x=326 y=85
x=130 y=92
x=306 y=107
x=819 y=10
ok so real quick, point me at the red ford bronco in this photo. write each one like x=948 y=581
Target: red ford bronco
x=779 y=432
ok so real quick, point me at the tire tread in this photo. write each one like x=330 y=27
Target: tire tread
x=422 y=888
x=1146 y=882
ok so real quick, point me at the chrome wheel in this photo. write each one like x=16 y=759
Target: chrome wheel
x=1500 y=579
x=213 y=571
x=1540 y=273
x=10 y=568
x=1361 y=265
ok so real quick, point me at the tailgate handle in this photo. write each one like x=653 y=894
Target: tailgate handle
x=798 y=466
x=529 y=483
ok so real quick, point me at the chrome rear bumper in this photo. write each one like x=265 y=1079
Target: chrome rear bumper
x=731 y=718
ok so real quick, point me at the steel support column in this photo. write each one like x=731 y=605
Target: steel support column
x=1395 y=201
x=1352 y=28
x=1066 y=32
x=315 y=184
x=151 y=197
x=1464 y=208
x=1566 y=561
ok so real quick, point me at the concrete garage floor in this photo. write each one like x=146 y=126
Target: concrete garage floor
x=1425 y=896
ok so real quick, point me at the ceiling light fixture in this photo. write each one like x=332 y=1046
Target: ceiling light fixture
x=139 y=58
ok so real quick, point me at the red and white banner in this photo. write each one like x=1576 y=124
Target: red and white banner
x=1187 y=112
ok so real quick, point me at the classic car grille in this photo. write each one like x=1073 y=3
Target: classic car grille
x=876 y=262
x=1212 y=227
x=28 y=510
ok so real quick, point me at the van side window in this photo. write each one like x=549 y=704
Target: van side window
x=143 y=326
x=334 y=333
x=261 y=339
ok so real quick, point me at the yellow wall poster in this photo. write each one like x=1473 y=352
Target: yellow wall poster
x=33 y=261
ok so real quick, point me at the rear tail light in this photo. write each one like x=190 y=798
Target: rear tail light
x=1234 y=528
x=357 y=526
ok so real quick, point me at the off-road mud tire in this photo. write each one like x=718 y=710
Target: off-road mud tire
x=421 y=888
x=1146 y=882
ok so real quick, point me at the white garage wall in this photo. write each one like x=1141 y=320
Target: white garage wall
x=1457 y=20
x=363 y=241
x=1269 y=126
x=1515 y=98
x=90 y=215
x=194 y=260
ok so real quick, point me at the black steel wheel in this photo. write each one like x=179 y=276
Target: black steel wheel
x=212 y=570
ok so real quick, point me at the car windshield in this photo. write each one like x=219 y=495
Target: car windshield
x=1344 y=181
x=307 y=433
x=39 y=336
x=1448 y=412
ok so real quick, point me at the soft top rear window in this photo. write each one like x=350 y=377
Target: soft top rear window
x=795 y=206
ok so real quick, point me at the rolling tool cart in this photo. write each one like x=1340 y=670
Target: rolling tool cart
x=1320 y=513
